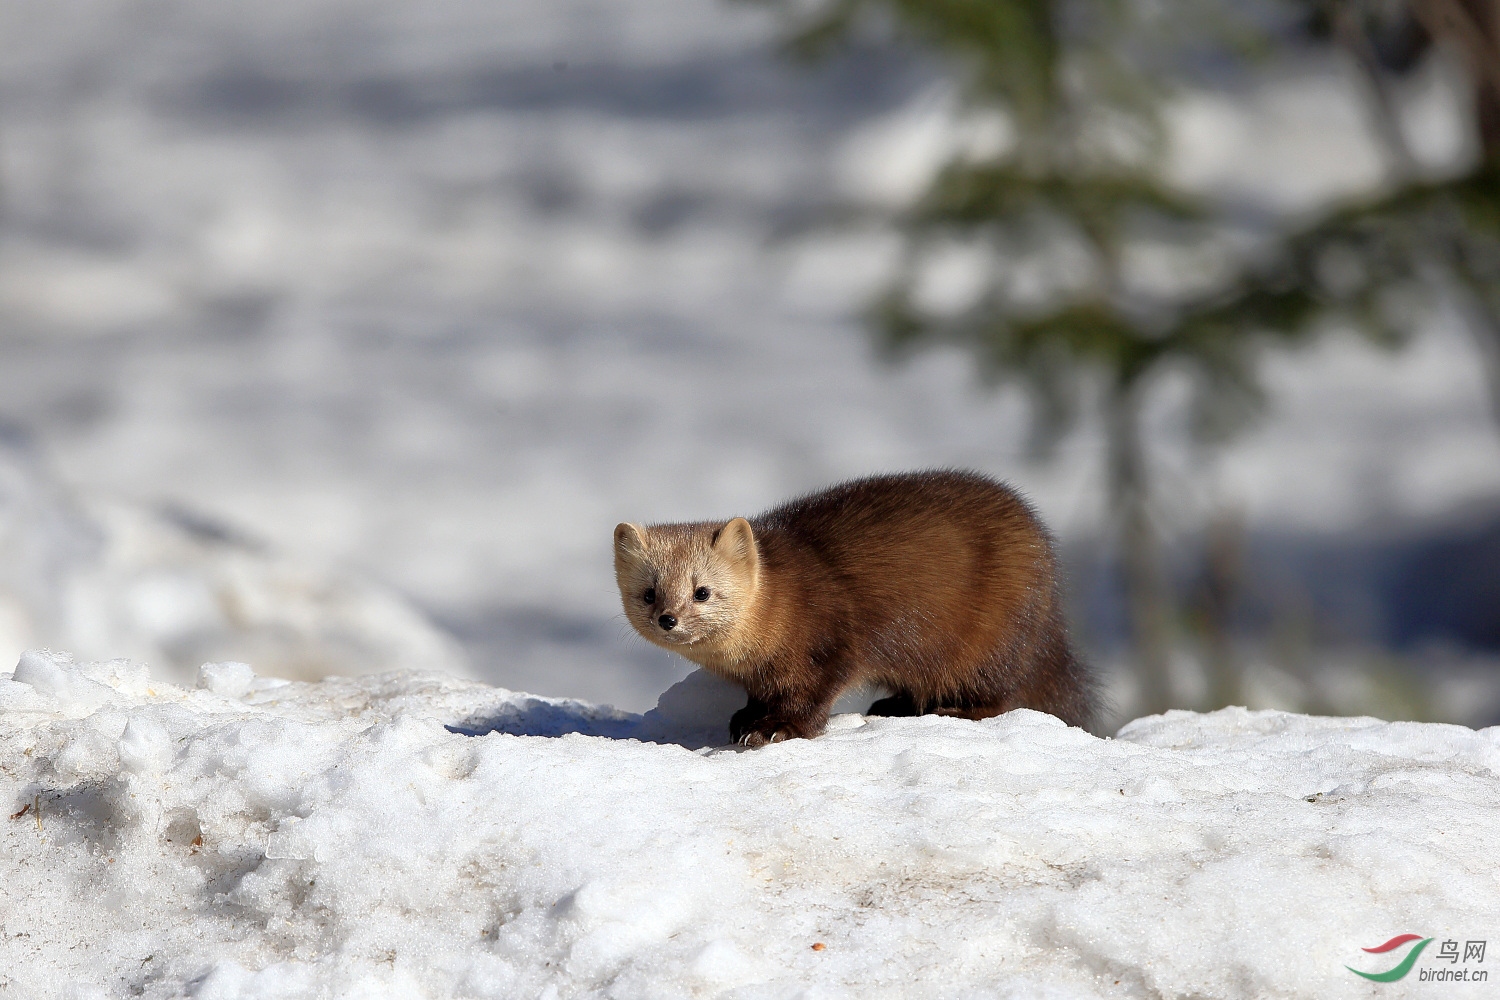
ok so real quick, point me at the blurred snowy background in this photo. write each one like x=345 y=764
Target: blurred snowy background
x=337 y=337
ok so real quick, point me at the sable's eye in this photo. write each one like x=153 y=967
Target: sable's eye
x=701 y=594
x=649 y=596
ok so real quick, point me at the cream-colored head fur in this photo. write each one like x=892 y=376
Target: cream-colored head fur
x=689 y=588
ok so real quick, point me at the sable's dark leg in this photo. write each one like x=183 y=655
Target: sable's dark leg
x=787 y=719
x=745 y=719
x=900 y=704
x=799 y=714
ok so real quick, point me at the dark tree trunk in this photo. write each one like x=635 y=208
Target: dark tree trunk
x=1218 y=593
x=1486 y=15
x=1145 y=590
x=1472 y=27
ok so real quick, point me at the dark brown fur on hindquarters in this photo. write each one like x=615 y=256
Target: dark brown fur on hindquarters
x=938 y=586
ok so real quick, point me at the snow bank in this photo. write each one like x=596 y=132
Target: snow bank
x=174 y=588
x=397 y=836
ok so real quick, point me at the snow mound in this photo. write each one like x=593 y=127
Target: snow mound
x=174 y=588
x=412 y=835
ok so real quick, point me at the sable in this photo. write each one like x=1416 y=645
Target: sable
x=940 y=587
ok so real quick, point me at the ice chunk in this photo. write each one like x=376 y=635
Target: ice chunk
x=231 y=678
x=56 y=675
x=145 y=746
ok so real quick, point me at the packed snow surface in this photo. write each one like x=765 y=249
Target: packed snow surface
x=415 y=835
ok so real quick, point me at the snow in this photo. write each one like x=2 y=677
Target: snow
x=169 y=586
x=417 y=835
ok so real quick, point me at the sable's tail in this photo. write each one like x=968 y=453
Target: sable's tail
x=1087 y=706
x=1073 y=688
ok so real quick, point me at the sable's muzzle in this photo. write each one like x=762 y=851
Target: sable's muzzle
x=667 y=622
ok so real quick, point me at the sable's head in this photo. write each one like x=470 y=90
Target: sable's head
x=686 y=586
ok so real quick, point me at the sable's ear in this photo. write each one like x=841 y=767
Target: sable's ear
x=628 y=542
x=736 y=542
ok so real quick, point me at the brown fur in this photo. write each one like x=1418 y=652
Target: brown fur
x=940 y=587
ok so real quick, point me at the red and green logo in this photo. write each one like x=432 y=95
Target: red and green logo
x=1406 y=963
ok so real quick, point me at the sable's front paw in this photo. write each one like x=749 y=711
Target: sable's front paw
x=745 y=721
x=757 y=738
x=755 y=730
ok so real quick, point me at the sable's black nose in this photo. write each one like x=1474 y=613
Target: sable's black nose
x=667 y=622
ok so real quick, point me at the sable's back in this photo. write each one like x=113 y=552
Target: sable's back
x=940 y=539
x=894 y=510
